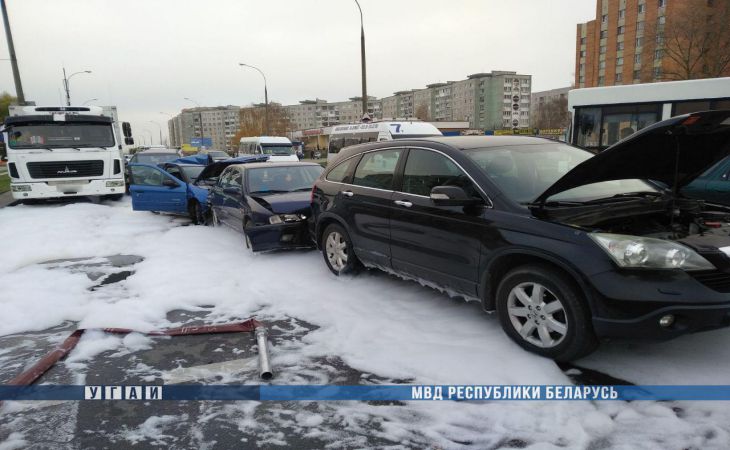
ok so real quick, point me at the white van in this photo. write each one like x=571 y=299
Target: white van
x=386 y=130
x=279 y=149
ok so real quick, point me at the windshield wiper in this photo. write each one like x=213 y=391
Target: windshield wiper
x=625 y=196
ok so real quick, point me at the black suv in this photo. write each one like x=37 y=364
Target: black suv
x=567 y=247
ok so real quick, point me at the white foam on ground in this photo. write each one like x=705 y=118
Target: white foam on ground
x=375 y=323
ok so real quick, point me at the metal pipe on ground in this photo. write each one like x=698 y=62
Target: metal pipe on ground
x=32 y=374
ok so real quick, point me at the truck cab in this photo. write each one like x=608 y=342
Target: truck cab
x=58 y=151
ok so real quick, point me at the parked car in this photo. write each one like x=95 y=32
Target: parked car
x=178 y=187
x=268 y=202
x=567 y=247
x=713 y=185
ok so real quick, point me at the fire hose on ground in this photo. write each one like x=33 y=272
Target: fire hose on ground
x=32 y=374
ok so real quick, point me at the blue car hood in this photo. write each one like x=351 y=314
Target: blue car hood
x=286 y=203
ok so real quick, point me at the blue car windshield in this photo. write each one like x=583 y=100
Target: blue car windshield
x=270 y=180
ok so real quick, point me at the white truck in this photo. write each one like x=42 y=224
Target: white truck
x=63 y=151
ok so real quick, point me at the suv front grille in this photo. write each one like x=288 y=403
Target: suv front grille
x=65 y=169
x=716 y=280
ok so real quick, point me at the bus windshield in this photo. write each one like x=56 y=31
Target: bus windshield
x=277 y=149
x=47 y=135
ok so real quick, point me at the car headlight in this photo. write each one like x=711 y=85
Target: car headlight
x=648 y=253
x=117 y=183
x=20 y=187
x=276 y=219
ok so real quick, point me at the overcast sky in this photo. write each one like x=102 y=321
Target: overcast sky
x=147 y=55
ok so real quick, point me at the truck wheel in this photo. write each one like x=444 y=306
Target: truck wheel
x=338 y=252
x=542 y=311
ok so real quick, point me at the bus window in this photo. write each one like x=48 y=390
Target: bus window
x=353 y=140
x=588 y=123
x=336 y=144
x=620 y=122
x=690 y=107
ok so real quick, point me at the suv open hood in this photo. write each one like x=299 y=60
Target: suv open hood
x=692 y=142
x=215 y=169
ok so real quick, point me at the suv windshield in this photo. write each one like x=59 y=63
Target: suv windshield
x=282 y=179
x=277 y=149
x=523 y=172
x=60 y=135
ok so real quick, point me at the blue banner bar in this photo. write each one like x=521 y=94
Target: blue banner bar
x=367 y=392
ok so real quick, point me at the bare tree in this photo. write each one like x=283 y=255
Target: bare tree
x=694 y=43
x=422 y=112
x=553 y=114
x=253 y=122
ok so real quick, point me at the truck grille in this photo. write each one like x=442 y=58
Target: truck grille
x=716 y=280
x=65 y=169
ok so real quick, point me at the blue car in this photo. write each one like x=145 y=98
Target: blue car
x=178 y=187
x=268 y=202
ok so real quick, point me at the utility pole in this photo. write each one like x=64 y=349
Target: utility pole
x=13 y=60
x=362 y=63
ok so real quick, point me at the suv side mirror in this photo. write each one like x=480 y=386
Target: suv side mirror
x=452 y=196
x=170 y=183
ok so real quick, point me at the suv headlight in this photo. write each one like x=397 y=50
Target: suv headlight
x=648 y=253
x=276 y=219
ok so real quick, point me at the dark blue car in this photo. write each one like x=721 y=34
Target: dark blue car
x=268 y=202
x=177 y=187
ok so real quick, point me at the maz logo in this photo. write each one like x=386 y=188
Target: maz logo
x=66 y=170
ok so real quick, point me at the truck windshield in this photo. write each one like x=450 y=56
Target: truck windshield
x=277 y=150
x=60 y=135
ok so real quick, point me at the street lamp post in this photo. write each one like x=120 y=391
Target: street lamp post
x=172 y=132
x=200 y=116
x=13 y=60
x=266 y=95
x=160 y=127
x=150 y=133
x=362 y=63
x=89 y=100
x=66 y=86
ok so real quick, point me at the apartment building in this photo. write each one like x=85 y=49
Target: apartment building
x=220 y=124
x=626 y=42
x=321 y=113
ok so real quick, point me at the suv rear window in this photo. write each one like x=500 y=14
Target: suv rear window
x=376 y=169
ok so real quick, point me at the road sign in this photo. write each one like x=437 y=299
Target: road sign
x=206 y=142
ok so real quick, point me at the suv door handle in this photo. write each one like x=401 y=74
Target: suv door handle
x=403 y=203
x=347 y=193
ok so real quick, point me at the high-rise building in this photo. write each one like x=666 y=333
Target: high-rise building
x=219 y=123
x=630 y=40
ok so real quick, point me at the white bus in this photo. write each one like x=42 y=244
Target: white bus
x=386 y=130
x=278 y=148
x=602 y=116
x=57 y=151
